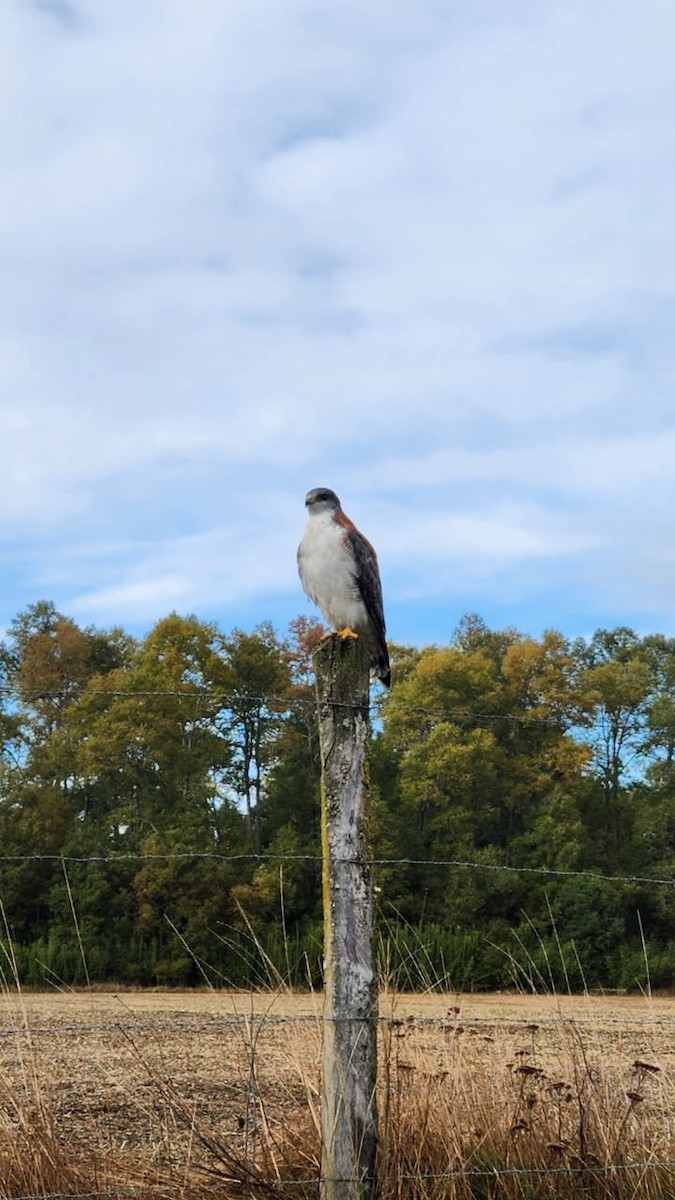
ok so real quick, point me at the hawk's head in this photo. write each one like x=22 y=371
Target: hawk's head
x=321 y=500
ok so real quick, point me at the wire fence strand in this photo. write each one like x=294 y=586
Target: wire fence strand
x=269 y=857
x=574 y=1170
x=272 y=707
x=515 y=1025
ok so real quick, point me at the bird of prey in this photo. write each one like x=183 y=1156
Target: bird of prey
x=339 y=572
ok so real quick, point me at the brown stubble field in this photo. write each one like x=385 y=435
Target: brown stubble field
x=221 y=1086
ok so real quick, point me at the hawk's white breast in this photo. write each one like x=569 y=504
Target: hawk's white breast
x=328 y=573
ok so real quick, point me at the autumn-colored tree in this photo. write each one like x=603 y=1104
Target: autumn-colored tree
x=47 y=659
x=478 y=761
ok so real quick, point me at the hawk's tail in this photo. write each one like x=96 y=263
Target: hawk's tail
x=380 y=669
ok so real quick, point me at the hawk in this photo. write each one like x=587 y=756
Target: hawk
x=339 y=572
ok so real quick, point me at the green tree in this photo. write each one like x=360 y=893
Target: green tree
x=47 y=663
x=254 y=674
x=659 y=657
x=616 y=683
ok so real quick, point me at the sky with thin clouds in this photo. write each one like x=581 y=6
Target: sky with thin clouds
x=423 y=254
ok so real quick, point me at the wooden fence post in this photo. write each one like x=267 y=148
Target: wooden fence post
x=348 y=1102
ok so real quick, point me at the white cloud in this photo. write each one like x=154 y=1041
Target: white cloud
x=491 y=540
x=594 y=470
x=425 y=256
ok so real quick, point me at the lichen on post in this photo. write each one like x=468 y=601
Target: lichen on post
x=348 y=1106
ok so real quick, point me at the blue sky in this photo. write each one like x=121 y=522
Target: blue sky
x=423 y=254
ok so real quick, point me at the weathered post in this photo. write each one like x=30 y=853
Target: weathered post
x=348 y=1103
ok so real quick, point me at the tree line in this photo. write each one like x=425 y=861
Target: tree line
x=159 y=807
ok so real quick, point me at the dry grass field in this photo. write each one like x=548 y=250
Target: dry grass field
x=205 y=1093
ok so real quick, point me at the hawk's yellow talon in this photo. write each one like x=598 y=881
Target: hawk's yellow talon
x=346 y=633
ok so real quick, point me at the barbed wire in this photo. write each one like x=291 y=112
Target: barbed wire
x=251 y=856
x=590 y=1168
x=279 y=1186
x=598 y=1168
x=78 y=1028
x=110 y=1193
x=283 y=704
x=452 y=1022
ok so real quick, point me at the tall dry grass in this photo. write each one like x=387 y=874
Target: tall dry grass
x=533 y=1112
x=468 y=1109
